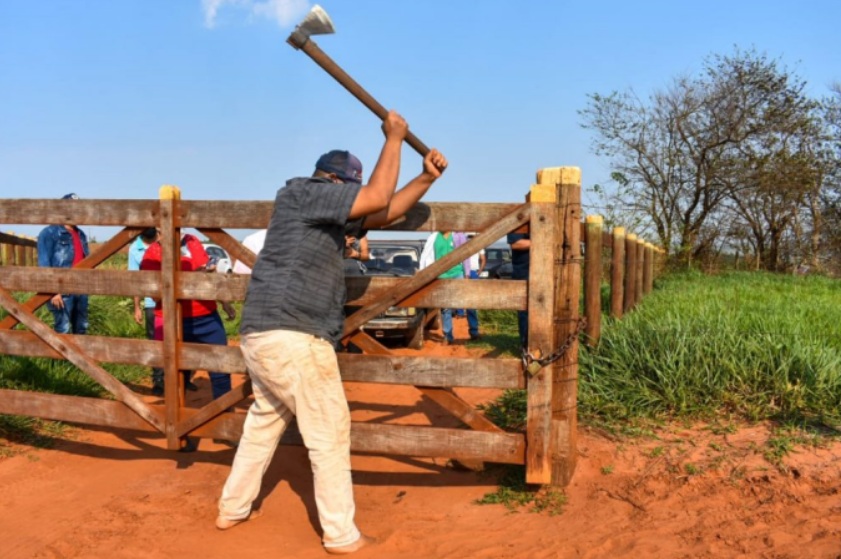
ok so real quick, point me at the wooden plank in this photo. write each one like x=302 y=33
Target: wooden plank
x=231 y=214
x=451 y=216
x=427 y=275
x=593 y=278
x=227 y=214
x=485 y=294
x=389 y=369
x=436 y=442
x=564 y=434
x=432 y=371
x=401 y=440
x=122 y=213
x=617 y=273
x=102 y=253
x=66 y=346
x=541 y=325
x=120 y=283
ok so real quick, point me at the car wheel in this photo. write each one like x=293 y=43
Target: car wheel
x=415 y=340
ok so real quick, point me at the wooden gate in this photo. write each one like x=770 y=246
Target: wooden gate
x=550 y=214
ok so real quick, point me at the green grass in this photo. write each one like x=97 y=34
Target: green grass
x=741 y=346
x=758 y=346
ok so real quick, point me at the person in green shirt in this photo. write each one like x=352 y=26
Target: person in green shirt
x=444 y=244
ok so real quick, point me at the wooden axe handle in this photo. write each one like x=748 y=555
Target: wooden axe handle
x=313 y=51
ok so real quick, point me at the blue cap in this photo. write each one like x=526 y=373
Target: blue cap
x=71 y=196
x=343 y=164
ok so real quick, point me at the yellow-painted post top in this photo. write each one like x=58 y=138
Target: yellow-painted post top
x=559 y=175
x=169 y=192
x=594 y=219
x=547 y=181
x=631 y=237
x=619 y=231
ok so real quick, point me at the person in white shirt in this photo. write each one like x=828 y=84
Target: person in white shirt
x=253 y=242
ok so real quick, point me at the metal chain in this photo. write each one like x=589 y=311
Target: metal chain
x=533 y=364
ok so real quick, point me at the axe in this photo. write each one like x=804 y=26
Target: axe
x=317 y=22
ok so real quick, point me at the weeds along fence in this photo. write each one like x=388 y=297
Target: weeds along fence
x=550 y=214
x=631 y=268
x=18 y=251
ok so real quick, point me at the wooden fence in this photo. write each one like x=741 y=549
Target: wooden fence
x=633 y=266
x=18 y=251
x=550 y=214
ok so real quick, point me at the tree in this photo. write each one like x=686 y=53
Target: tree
x=709 y=149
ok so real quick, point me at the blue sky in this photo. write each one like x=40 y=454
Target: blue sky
x=112 y=99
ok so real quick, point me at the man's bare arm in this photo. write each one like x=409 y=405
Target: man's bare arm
x=434 y=165
x=376 y=195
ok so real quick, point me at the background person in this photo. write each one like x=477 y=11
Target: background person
x=200 y=321
x=254 y=242
x=144 y=313
x=293 y=318
x=520 y=246
x=64 y=246
x=476 y=267
x=437 y=246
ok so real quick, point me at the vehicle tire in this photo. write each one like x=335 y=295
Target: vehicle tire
x=415 y=340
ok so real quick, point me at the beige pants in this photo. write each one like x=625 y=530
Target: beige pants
x=295 y=374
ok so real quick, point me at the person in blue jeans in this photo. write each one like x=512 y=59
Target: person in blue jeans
x=477 y=265
x=64 y=246
x=520 y=245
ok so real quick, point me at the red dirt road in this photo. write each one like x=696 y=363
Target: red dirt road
x=691 y=493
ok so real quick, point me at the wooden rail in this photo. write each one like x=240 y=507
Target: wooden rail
x=18 y=251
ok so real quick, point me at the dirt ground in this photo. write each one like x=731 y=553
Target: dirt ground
x=691 y=492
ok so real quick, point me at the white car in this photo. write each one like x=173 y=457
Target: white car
x=220 y=256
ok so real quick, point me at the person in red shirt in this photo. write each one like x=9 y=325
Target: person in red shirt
x=201 y=322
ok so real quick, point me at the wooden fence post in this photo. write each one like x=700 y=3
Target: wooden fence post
x=648 y=269
x=6 y=254
x=543 y=198
x=617 y=272
x=563 y=445
x=630 y=271
x=170 y=198
x=638 y=278
x=593 y=278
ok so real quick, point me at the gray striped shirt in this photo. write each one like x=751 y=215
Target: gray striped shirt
x=298 y=280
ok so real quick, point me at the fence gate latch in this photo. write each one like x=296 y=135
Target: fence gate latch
x=533 y=363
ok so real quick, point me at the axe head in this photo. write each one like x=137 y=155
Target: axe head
x=317 y=22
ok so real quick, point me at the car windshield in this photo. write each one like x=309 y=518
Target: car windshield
x=215 y=252
x=498 y=254
x=392 y=259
